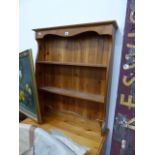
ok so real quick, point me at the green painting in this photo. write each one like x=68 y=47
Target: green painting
x=28 y=99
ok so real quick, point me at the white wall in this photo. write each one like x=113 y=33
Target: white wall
x=47 y=13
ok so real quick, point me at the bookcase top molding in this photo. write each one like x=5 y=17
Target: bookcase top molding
x=101 y=28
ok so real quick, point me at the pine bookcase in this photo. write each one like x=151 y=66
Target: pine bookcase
x=73 y=74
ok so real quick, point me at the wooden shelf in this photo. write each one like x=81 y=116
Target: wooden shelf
x=82 y=131
x=72 y=64
x=75 y=94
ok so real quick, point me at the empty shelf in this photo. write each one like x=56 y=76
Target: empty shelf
x=72 y=64
x=75 y=94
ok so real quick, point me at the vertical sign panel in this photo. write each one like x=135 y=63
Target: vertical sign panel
x=123 y=139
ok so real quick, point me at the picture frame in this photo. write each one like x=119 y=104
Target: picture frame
x=28 y=95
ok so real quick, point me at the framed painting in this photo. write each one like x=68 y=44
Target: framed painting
x=28 y=96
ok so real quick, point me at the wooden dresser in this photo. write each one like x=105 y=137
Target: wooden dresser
x=73 y=78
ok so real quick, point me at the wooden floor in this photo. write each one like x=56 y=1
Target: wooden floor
x=86 y=133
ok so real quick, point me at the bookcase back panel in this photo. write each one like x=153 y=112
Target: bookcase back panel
x=89 y=48
x=86 y=109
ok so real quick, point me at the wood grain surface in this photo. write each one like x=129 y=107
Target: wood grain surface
x=73 y=73
x=81 y=131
